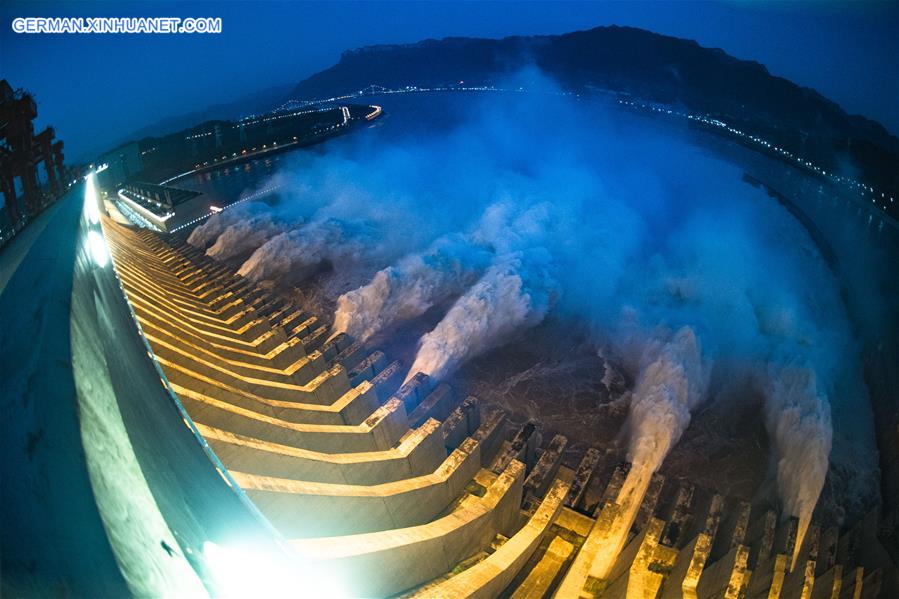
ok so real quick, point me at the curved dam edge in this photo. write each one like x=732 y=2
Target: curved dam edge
x=95 y=443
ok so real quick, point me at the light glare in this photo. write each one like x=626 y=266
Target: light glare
x=90 y=200
x=96 y=246
x=243 y=572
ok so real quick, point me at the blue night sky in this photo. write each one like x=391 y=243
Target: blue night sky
x=95 y=89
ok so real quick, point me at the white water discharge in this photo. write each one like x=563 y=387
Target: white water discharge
x=206 y=234
x=244 y=235
x=612 y=216
x=797 y=416
x=418 y=281
x=513 y=294
x=409 y=288
x=671 y=383
x=300 y=249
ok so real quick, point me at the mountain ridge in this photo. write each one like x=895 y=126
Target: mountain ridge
x=641 y=63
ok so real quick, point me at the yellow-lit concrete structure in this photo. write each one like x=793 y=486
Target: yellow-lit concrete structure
x=416 y=492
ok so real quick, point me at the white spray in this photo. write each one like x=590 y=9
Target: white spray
x=293 y=251
x=418 y=281
x=633 y=209
x=244 y=235
x=797 y=416
x=409 y=288
x=671 y=383
x=205 y=235
x=514 y=293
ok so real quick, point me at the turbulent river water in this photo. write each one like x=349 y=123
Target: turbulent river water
x=547 y=254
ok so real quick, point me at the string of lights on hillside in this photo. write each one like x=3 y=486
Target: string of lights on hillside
x=862 y=188
x=293 y=108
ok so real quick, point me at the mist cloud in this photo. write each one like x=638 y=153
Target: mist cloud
x=513 y=294
x=519 y=205
x=207 y=233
